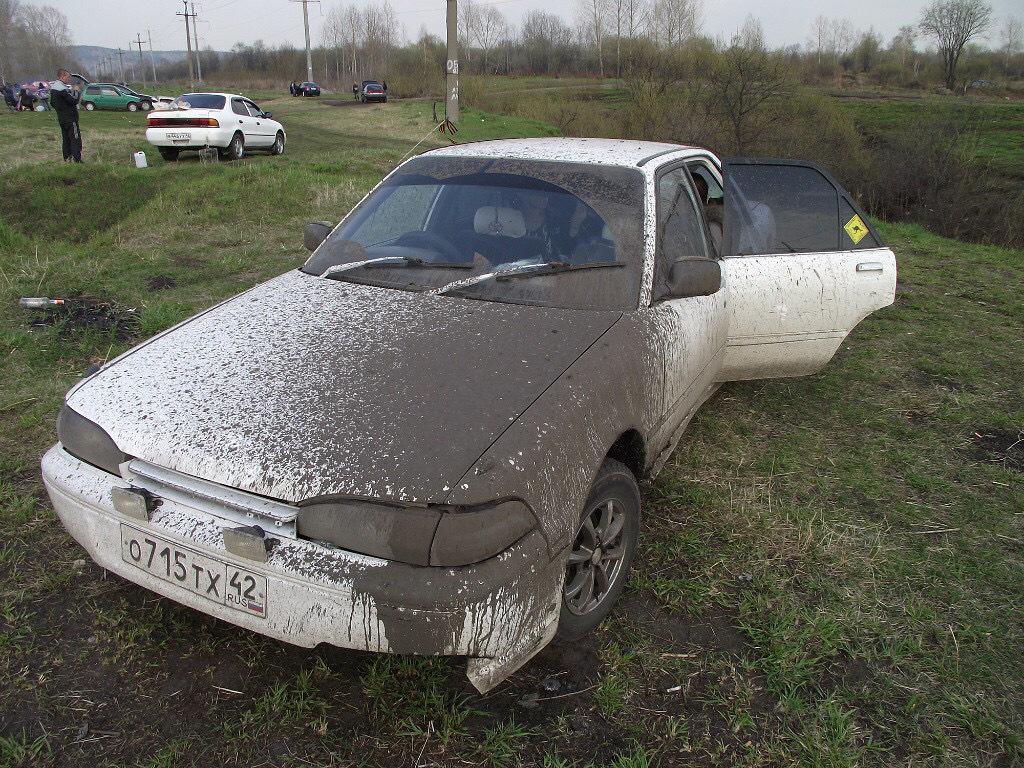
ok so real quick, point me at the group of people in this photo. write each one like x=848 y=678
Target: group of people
x=25 y=98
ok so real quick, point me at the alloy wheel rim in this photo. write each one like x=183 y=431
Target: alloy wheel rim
x=595 y=561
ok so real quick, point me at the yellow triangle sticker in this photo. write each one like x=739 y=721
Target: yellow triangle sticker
x=856 y=229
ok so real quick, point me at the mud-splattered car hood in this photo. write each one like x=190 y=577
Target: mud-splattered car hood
x=304 y=387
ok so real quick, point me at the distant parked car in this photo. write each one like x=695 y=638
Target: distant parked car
x=374 y=92
x=111 y=96
x=227 y=121
x=309 y=89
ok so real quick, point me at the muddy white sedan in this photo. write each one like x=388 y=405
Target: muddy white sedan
x=429 y=438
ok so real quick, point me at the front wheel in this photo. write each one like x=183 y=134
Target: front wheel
x=133 y=107
x=277 y=148
x=236 y=148
x=602 y=550
x=89 y=106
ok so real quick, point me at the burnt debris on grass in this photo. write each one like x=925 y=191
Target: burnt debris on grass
x=81 y=313
x=1003 y=447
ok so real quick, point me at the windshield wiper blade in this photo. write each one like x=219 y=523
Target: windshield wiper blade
x=391 y=261
x=412 y=261
x=553 y=268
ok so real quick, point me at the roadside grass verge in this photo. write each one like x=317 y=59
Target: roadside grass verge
x=829 y=571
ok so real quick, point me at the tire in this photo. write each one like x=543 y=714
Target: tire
x=385 y=99
x=236 y=149
x=89 y=106
x=145 y=106
x=169 y=154
x=362 y=99
x=277 y=148
x=132 y=107
x=610 y=524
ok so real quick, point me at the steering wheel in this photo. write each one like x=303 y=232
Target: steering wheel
x=430 y=241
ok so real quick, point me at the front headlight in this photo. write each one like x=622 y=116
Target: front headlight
x=441 y=536
x=87 y=441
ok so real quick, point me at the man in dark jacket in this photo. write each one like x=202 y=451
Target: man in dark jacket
x=64 y=100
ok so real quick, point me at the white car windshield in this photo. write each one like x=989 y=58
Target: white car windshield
x=497 y=230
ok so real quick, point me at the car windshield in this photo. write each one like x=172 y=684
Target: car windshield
x=200 y=101
x=455 y=225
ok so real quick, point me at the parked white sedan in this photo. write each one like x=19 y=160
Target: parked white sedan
x=227 y=121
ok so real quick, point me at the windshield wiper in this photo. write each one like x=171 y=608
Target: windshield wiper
x=553 y=268
x=392 y=261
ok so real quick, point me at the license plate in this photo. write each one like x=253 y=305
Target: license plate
x=213 y=579
x=184 y=136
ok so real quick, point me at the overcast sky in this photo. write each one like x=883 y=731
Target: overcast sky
x=222 y=23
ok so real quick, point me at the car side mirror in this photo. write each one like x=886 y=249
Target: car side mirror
x=267 y=115
x=693 y=277
x=316 y=233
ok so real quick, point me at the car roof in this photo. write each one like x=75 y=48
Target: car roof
x=599 y=151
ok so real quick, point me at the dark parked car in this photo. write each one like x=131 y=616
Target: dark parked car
x=429 y=439
x=309 y=89
x=374 y=92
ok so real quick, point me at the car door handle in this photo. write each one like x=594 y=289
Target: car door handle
x=239 y=122
x=870 y=266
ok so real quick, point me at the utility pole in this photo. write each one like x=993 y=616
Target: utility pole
x=195 y=33
x=451 y=104
x=152 y=62
x=142 y=63
x=305 y=18
x=120 y=59
x=188 y=40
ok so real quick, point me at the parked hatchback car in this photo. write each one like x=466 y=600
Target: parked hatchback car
x=374 y=92
x=231 y=123
x=110 y=96
x=429 y=438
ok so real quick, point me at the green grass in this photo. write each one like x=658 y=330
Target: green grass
x=829 y=571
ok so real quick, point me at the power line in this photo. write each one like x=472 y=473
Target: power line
x=188 y=41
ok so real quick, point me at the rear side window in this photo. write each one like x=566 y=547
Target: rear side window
x=788 y=206
x=92 y=90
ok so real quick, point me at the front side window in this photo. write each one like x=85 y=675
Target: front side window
x=507 y=230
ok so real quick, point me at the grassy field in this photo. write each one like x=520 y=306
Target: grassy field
x=829 y=572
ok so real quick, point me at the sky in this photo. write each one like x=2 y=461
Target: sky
x=222 y=23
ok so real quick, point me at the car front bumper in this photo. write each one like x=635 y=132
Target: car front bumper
x=499 y=612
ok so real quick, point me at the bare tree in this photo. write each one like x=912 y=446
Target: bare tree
x=1011 y=36
x=676 y=21
x=954 y=23
x=819 y=35
x=593 y=17
x=491 y=28
x=902 y=44
x=467 y=23
x=745 y=86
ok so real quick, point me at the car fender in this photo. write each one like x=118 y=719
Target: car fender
x=551 y=454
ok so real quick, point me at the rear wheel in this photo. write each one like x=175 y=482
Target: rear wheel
x=170 y=154
x=236 y=148
x=385 y=99
x=133 y=107
x=277 y=148
x=602 y=550
x=89 y=106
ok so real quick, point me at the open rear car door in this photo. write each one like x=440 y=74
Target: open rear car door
x=803 y=265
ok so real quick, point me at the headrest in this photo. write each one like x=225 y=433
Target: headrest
x=507 y=222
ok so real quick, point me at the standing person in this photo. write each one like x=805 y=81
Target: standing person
x=64 y=100
x=355 y=91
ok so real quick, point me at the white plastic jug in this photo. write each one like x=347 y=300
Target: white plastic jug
x=140 y=159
